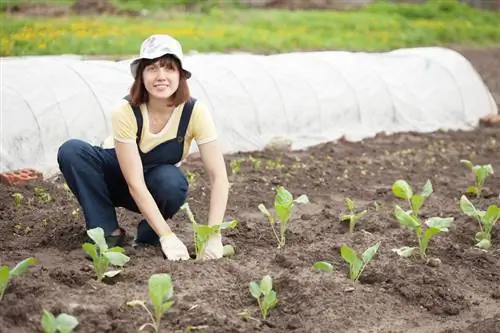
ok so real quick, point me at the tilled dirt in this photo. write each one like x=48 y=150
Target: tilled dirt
x=393 y=295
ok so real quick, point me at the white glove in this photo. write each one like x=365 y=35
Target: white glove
x=213 y=248
x=173 y=248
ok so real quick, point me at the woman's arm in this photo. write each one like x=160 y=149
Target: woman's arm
x=213 y=162
x=131 y=166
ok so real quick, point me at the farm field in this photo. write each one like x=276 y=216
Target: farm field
x=459 y=293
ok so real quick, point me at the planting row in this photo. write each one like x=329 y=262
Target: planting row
x=160 y=285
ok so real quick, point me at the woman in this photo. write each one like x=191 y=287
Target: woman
x=152 y=132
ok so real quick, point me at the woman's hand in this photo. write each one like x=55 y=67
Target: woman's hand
x=173 y=248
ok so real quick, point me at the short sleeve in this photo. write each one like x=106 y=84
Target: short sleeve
x=202 y=125
x=124 y=125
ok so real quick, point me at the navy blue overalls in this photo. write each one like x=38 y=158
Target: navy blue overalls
x=93 y=174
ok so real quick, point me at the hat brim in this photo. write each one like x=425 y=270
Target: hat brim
x=135 y=64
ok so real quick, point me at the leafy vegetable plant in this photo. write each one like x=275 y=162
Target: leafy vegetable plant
x=481 y=172
x=7 y=274
x=410 y=218
x=64 y=323
x=18 y=198
x=357 y=264
x=264 y=294
x=283 y=205
x=487 y=220
x=102 y=256
x=352 y=216
x=161 y=292
x=202 y=233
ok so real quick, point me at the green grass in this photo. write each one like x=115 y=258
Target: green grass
x=378 y=27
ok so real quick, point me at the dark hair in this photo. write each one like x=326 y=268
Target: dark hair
x=138 y=92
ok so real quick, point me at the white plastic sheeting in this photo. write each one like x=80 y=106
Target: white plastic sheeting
x=307 y=98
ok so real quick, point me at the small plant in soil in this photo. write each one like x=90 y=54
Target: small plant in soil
x=480 y=172
x=357 y=264
x=18 y=198
x=42 y=195
x=161 y=292
x=411 y=219
x=202 y=233
x=283 y=205
x=63 y=323
x=352 y=217
x=487 y=220
x=102 y=256
x=236 y=165
x=264 y=294
x=6 y=274
x=256 y=163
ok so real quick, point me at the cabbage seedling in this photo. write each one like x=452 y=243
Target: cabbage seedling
x=161 y=292
x=283 y=204
x=265 y=296
x=487 y=220
x=102 y=256
x=18 y=198
x=7 y=274
x=64 y=323
x=357 y=264
x=352 y=217
x=481 y=172
x=410 y=218
x=202 y=233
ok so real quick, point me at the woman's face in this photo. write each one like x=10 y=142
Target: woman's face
x=161 y=78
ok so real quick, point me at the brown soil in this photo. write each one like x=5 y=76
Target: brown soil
x=461 y=295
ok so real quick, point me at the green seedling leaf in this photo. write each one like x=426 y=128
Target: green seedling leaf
x=264 y=211
x=404 y=251
x=484 y=244
x=467 y=207
x=66 y=323
x=116 y=258
x=228 y=251
x=350 y=204
x=23 y=266
x=283 y=203
x=266 y=284
x=441 y=223
x=228 y=225
x=91 y=250
x=303 y=199
x=472 y=190
x=269 y=301
x=113 y=273
x=323 y=266
x=417 y=202
x=97 y=235
x=255 y=290
x=4 y=279
x=491 y=216
x=370 y=252
x=355 y=264
x=405 y=218
x=48 y=321
x=136 y=303
x=482 y=235
x=427 y=190
x=467 y=163
x=402 y=189
x=160 y=289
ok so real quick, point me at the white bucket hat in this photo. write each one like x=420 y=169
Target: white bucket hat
x=156 y=46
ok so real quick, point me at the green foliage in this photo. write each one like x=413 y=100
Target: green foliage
x=283 y=205
x=411 y=219
x=323 y=266
x=64 y=323
x=480 y=172
x=18 y=198
x=161 y=292
x=7 y=274
x=357 y=264
x=264 y=294
x=352 y=217
x=102 y=256
x=202 y=232
x=487 y=220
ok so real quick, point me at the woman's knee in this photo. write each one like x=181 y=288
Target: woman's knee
x=169 y=183
x=70 y=151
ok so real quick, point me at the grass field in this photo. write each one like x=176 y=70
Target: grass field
x=377 y=27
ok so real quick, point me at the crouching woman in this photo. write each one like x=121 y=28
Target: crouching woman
x=152 y=132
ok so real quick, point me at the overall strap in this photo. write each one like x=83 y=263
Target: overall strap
x=185 y=118
x=138 y=117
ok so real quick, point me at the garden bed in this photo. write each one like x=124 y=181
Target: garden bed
x=460 y=295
